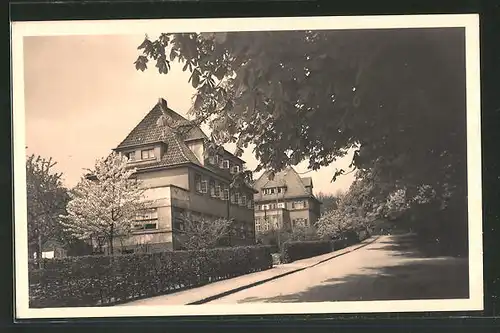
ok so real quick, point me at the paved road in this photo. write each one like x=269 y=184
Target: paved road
x=387 y=269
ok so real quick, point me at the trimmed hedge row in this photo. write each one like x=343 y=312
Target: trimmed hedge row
x=105 y=280
x=304 y=249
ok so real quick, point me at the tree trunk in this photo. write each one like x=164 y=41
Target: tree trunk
x=111 y=234
x=39 y=250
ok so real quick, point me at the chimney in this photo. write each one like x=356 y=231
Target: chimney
x=163 y=104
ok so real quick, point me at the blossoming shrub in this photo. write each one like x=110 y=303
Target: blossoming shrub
x=105 y=280
x=304 y=249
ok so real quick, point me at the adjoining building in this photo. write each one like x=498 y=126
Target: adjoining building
x=286 y=201
x=182 y=178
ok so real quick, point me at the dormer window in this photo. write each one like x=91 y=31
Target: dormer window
x=147 y=154
x=225 y=164
x=235 y=169
x=130 y=156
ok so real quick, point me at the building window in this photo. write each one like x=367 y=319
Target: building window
x=179 y=215
x=130 y=156
x=146 y=220
x=211 y=160
x=212 y=188
x=299 y=222
x=147 y=154
x=250 y=204
x=204 y=186
x=197 y=182
x=225 y=164
x=225 y=194
x=237 y=198
x=235 y=169
x=243 y=201
x=281 y=205
x=298 y=204
x=217 y=191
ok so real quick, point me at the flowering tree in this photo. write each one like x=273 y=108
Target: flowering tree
x=333 y=224
x=356 y=210
x=396 y=204
x=104 y=203
x=202 y=233
x=46 y=198
x=301 y=232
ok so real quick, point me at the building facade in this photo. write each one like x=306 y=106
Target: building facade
x=286 y=201
x=182 y=178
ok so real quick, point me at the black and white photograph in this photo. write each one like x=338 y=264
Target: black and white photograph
x=247 y=166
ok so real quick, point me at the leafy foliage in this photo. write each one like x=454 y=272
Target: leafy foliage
x=356 y=210
x=104 y=204
x=46 y=200
x=98 y=280
x=396 y=96
x=275 y=89
x=328 y=201
x=302 y=232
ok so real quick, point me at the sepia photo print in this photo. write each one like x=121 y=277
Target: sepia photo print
x=247 y=166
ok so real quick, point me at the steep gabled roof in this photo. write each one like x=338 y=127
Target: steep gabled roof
x=296 y=186
x=307 y=181
x=147 y=131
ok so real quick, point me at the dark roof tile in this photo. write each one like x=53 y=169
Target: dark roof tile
x=296 y=186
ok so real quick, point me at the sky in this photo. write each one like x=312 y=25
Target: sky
x=83 y=96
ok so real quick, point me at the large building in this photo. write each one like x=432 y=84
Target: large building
x=285 y=201
x=182 y=179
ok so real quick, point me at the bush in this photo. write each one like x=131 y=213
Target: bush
x=300 y=250
x=104 y=280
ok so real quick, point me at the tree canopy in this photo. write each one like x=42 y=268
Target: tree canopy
x=397 y=95
x=106 y=203
x=46 y=200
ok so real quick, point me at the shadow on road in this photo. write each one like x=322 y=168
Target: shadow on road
x=415 y=275
x=410 y=246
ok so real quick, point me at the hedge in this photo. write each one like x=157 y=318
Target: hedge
x=304 y=249
x=106 y=280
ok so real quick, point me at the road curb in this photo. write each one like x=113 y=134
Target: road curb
x=250 y=285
